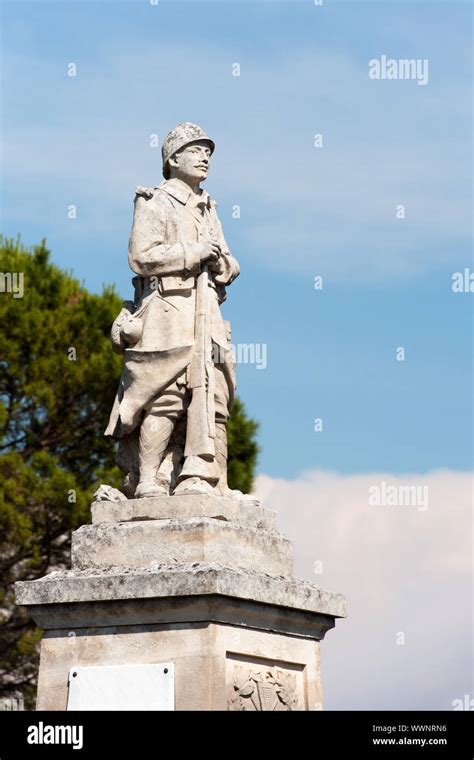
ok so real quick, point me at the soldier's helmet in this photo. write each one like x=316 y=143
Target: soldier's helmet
x=180 y=136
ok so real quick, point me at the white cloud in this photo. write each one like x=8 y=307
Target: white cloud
x=402 y=570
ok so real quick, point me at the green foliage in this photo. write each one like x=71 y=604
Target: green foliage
x=58 y=378
x=53 y=411
x=243 y=449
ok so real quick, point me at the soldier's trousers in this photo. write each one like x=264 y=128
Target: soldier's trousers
x=160 y=421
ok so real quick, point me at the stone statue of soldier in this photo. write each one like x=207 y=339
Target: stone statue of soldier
x=178 y=380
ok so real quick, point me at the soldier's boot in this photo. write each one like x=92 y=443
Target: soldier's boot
x=198 y=475
x=222 y=487
x=155 y=433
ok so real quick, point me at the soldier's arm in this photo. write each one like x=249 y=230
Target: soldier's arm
x=148 y=253
x=228 y=265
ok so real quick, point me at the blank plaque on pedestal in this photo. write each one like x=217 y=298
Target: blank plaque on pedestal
x=122 y=687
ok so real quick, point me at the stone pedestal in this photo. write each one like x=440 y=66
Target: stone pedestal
x=199 y=581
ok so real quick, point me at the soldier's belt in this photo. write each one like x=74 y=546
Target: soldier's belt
x=172 y=283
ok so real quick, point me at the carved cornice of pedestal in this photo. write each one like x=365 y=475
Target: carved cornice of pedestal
x=182 y=593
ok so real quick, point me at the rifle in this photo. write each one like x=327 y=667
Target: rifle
x=199 y=436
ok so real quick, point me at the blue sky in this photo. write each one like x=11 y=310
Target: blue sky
x=305 y=211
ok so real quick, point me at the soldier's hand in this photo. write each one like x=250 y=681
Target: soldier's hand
x=209 y=251
x=216 y=266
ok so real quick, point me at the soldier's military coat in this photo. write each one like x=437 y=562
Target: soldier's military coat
x=156 y=332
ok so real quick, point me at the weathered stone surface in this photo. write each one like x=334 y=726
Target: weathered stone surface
x=209 y=661
x=216 y=624
x=178 y=580
x=189 y=505
x=200 y=539
x=182 y=610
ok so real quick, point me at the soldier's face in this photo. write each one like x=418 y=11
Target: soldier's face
x=192 y=163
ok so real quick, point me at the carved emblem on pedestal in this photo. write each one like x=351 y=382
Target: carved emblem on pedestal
x=265 y=689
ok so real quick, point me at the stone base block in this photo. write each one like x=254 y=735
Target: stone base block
x=201 y=586
x=237 y=640
x=216 y=667
x=202 y=539
x=246 y=512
